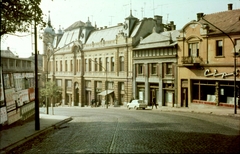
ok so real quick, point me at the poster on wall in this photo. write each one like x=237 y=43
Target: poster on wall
x=2 y=103
x=3 y=115
x=10 y=102
x=31 y=94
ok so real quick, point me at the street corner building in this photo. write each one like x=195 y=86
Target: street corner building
x=207 y=50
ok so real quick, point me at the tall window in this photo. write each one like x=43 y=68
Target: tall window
x=100 y=64
x=107 y=63
x=90 y=64
x=60 y=66
x=193 y=50
x=96 y=64
x=59 y=82
x=112 y=64
x=71 y=66
x=66 y=66
x=140 y=68
x=219 y=48
x=154 y=68
x=56 y=66
x=86 y=65
x=121 y=85
x=69 y=83
x=121 y=63
x=168 y=68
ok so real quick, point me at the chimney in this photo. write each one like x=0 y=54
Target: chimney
x=158 y=19
x=173 y=27
x=199 y=16
x=230 y=6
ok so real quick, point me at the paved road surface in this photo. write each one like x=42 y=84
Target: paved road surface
x=118 y=130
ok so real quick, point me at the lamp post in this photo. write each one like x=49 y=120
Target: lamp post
x=106 y=87
x=49 y=54
x=235 y=58
x=37 y=121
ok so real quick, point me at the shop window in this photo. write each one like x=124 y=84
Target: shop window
x=219 y=48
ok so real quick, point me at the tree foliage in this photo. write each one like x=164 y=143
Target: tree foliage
x=51 y=90
x=18 y=15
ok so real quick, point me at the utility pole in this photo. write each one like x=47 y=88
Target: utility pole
x=37 y=121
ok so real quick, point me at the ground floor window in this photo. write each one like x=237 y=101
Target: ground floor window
x=214 y=91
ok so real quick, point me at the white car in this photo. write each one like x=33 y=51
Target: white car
x=136 y=104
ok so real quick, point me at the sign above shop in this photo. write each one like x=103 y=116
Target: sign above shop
x=215 y=73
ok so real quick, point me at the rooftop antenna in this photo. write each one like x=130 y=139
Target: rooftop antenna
x=125 y=9
x=142 y=11
x=130 y=4
x=167 y=18
x=110 y=24
x=153 y=8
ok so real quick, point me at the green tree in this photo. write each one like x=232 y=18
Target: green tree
x=51 y=90
x=18 y=15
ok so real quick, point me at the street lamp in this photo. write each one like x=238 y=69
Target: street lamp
x=106 y=87
x=235 y=59
x=37 y=120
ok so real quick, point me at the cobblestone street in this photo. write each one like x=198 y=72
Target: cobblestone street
x=99 y=130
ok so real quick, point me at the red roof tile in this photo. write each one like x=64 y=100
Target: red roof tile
x=227 y=21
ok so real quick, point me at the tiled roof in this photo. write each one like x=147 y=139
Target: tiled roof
x=107 y=34
x=163 y=39
x=75 y=25
x=227 y=21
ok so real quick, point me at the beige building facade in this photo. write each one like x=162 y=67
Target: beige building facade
x=206 y=59
x=96 y=63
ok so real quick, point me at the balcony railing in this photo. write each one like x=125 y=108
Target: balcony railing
x=191 y=60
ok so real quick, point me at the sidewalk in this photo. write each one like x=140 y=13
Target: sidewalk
x=16 y=136
x=205 y=109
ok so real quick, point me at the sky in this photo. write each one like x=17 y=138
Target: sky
x=63 y=13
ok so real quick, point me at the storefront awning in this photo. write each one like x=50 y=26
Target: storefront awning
x=105 y=92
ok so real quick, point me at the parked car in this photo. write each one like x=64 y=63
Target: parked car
x=136 y=104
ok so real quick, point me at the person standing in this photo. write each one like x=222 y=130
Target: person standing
x=154 y=102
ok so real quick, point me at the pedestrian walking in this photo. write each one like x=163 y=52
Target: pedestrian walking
x=154 y=102
x=93 y=102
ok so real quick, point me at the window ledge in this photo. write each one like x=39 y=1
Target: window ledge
x=219 y=56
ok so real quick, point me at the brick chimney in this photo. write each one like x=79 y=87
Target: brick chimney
x=199 y=16
x=230 y=6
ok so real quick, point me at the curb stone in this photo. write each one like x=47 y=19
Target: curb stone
x=17 y=144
